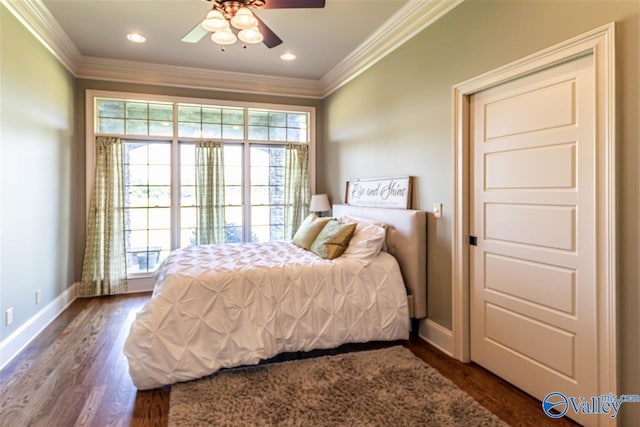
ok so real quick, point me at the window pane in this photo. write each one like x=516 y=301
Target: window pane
x=188 y=175
x=277 y=232
x=233 y=116
x=136 y=175
x=211 y=115
x=188 y=218
x=159 y=218
x=187 y=237
x=211 y=131
x=277 y=134
x=234 y=234
x=260 y=215
x=260 y=156
x=260 y=176
x=111 y=126
x=188 y=154
x=297 y=135
x=260 y=233
x=188 y=113
x=278 y=119
x=159 y=175
x=159 y=154
x=162 y=112
x=232 y=132
x=188 y=195
x=136 y=196
x=159 y=239
x=160 y=196
x=136 y=240
x=260 y=118
x=276 y=194
x=233 y=215
x=109 y=108
x=137 y=110
x=136 y=154
x=137 y=127
x=233 y=195
x=135 y=219
x=295 y=120
x=160 y=128
x=259 y=195
x=259 y=133
x=232 y=155
x=233 y=175
x=189 y=130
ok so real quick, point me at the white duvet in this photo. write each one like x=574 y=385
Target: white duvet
x=222 y=306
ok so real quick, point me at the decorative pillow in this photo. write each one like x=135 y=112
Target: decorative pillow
x=309 y=230
x=363 y=222
x=333 y=239
x=366 y=242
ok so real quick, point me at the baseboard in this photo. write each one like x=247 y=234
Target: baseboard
x=21 y=337
x=437 y=335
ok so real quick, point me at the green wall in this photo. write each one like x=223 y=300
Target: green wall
x=37 y=189
x=396 y=119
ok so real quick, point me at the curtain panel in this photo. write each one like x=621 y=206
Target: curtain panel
x=210 y=199
x=296 y=187
x=104 y=270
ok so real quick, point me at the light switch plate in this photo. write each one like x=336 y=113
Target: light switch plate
x=8 y=316
x=437 y=210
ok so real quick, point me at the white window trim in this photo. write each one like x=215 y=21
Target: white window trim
x=141 y=281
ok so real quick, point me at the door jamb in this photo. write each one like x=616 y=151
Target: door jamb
x=601 y=44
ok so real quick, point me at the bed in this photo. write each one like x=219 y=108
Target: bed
x=223 y=306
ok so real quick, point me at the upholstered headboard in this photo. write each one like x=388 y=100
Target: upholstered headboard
x=407 y=242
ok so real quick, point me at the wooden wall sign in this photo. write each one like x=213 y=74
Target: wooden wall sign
x=393 y=193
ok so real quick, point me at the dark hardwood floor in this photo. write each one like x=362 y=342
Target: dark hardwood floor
x=74 y=373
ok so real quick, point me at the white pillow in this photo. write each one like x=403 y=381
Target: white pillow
x=362 y=222
x=366 y=242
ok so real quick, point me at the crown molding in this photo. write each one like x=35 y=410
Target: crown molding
x=37 y=19
x=407 y=22
x=199 y=78
x=414 y=17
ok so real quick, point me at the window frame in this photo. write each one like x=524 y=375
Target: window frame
x=141 y=281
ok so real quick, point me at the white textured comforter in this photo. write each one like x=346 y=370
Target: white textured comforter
x=222 y=306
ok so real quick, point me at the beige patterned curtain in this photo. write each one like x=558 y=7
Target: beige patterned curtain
x=104 y=270
x=210 y=193
x=296 y=187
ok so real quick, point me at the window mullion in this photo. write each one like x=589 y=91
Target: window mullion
x=175 y=183
x=246 y=191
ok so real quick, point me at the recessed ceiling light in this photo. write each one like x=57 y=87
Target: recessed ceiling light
x=136 y=37
x=287 y=56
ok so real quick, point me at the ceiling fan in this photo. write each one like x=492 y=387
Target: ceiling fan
x=236 y=13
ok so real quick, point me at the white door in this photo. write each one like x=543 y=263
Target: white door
x=533 y=275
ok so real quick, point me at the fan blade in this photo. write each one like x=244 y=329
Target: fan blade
x=195 y=35
x=292 y=4
x=270 y=38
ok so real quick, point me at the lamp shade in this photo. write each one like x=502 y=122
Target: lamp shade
x=244 y=19
x=319 y=203
x=215 y=21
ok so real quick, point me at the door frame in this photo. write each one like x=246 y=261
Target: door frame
x=600 y=43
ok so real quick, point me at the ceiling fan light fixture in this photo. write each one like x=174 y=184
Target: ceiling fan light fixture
x=244 y=19
x=224 y=37
x=215 y=21
x=251 y=35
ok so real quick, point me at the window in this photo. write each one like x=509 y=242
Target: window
x=159 y=135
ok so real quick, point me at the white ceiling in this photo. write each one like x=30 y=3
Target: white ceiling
x=321 y=38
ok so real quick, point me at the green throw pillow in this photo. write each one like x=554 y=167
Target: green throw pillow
x=333 y=239
x=309 y=230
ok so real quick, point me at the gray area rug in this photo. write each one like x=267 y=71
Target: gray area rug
x=387 y=387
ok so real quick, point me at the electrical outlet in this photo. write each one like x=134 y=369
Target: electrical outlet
x=437 y=210
x=8 y=316
x=38 y=296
